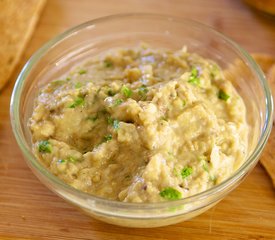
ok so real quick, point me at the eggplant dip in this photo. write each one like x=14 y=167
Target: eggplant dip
x=141 y=125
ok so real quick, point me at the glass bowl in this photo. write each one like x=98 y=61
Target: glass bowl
x=91 y=38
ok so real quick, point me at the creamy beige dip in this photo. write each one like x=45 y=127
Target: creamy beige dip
x=141 y=125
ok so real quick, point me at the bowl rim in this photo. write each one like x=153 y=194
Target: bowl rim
x=30 y=158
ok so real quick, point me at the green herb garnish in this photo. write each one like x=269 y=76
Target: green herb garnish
x=107 y=138
x=44 y=147
x=68 y=78
x=77 y=102
x=142 y=91
x=185 y=172
x=108 y=63
x=93 y=118
x=127 y=92
x=113 y=122
x=164 y=118
x=72 y=159
x=117 y=102
x=194 y=77
x=110 y=120
x=78 y=85
x=183 y=103
x=61 y=161
x=116 y=124
x=110 y=93
x=58 y=82
x=205 y=166
x=213 y=179
x=68 y=159
x=223 y=95
x=82 y=71
x=170 y=193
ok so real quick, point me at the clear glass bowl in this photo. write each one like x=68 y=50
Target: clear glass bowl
x=93 y=37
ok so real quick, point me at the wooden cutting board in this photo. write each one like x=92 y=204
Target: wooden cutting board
x=28 y=210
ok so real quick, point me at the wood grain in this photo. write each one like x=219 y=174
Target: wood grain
x=28 y=210
x=267 y=64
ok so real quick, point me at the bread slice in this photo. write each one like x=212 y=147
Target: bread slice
x=17 y=22
x=267 y=63
x=268 y=160
x=267 y=6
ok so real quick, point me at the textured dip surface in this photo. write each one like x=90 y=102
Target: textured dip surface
x=141 y=125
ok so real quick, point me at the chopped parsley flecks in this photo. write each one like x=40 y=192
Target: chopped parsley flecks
x=68 y=78
x=164 y=118
x=78 y=85
x=116 y=124
x=127 y=92
x=61 y=161
x=108 y=63
x=107 y=138
x=82 y=71
x=44 y=147
x=170 y=193
x=110 y=93
x=142 y=91
x=223 y=95
x=77 y=102
x=70 y=159
x=213 y=179
x=194 y=77
x=117 y=102
x=93 y=118
x=58 y=82
x=109 y=120
x=113 y=122
x=204 y=163
x=185 y=172
x=205 y=166
x=183 y=103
